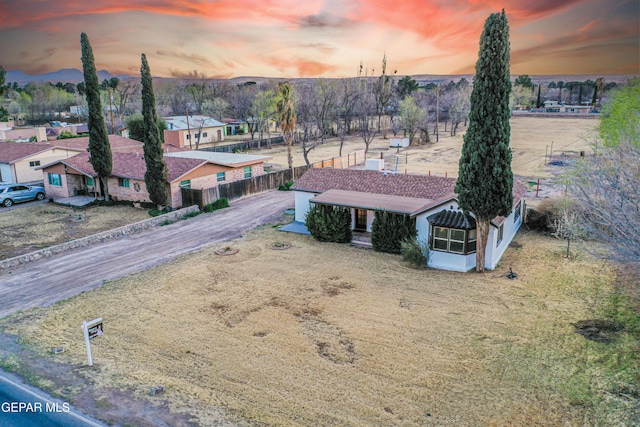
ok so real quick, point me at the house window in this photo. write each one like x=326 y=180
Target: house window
x=197 y=135
x=188 y=136
x=247 y=172
x=220 y=176
x=90 y=182
x=453 y=240
x=185 y=184
x=34 y=163
x=204 y=134
x=518 y=212
x=123 y=182
x=55 y=179
x=500 y=234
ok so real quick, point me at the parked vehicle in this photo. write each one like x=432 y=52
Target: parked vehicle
x=14 y=193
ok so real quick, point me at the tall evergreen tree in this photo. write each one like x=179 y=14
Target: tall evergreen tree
x=99 y=148
x=485 y=179
x=157 y=176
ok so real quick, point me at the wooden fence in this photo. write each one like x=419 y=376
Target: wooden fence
x=259 y=184
x=245 y=145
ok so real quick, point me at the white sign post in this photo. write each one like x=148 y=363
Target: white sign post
x=91 y=330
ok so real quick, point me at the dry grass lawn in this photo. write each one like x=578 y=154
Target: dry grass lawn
x=529 y=138
x=34 y=227
x=329 y=334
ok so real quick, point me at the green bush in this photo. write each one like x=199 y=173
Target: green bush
x=389 y=230
x=286 y=186
x=191 y=214
x=155 y=212
x=414 y=252
x=329 y=223
x=218 y=204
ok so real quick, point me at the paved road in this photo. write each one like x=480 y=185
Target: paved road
x=25 y=406
x=64 y=275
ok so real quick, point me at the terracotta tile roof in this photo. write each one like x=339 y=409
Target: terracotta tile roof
x=365 y=181
x=11 y=152
x=436 y=189
x=131 y=165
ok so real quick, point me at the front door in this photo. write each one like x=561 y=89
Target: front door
x=361 y=220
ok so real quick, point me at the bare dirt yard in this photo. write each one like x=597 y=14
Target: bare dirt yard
x=329 y=334
x=34 y=227
x=531 y=139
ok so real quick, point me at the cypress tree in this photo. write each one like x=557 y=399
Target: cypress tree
x=99 y=148
x=485 y=179
x=156 y=177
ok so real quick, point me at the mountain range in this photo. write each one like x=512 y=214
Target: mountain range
x=66 y=75
x=73 y=75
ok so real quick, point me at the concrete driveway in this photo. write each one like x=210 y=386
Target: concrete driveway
x=49 y=280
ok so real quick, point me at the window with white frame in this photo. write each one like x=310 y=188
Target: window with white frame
x=453 y=240
x=220 y=176
x=34 y=163
x=500 y=234
x=518 y=212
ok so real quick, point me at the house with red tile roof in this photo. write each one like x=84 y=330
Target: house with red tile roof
x=431 y=200
x=191 y=169
x=19 y=160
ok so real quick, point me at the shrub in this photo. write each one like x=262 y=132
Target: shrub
x=415 y=252
x=389 y=230
x=329 y=223
x=221 y=203
x=286 y=186
x=191 y=214
x=157 y=212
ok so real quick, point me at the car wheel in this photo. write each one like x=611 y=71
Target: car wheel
x=40 y=196
x=7 y=203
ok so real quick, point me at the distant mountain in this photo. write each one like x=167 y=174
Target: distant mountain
x=73 y=75
x=66 y=75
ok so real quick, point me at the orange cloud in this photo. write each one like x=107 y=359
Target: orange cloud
x=303 y=67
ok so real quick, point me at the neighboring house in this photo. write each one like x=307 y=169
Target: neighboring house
x=431 y=200
x=23 y=134
x=228 y=167
x=19 y=161
x=235 y=127
x=186 y=131
x=74 y=176
x=576 y=109
x=555 y=107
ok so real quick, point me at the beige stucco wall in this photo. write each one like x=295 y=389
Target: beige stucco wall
x=24 y=173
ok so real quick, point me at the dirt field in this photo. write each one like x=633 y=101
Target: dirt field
x=530 y=137
x=35 y=227
x=328 y=334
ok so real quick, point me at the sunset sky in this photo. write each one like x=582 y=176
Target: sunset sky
x=317 y=38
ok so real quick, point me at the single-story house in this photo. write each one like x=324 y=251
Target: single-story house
x=186 y=131
x=75 y=175
x=431 y=200
x=19 y=160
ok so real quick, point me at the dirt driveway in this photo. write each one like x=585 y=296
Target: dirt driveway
x=57 y=278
